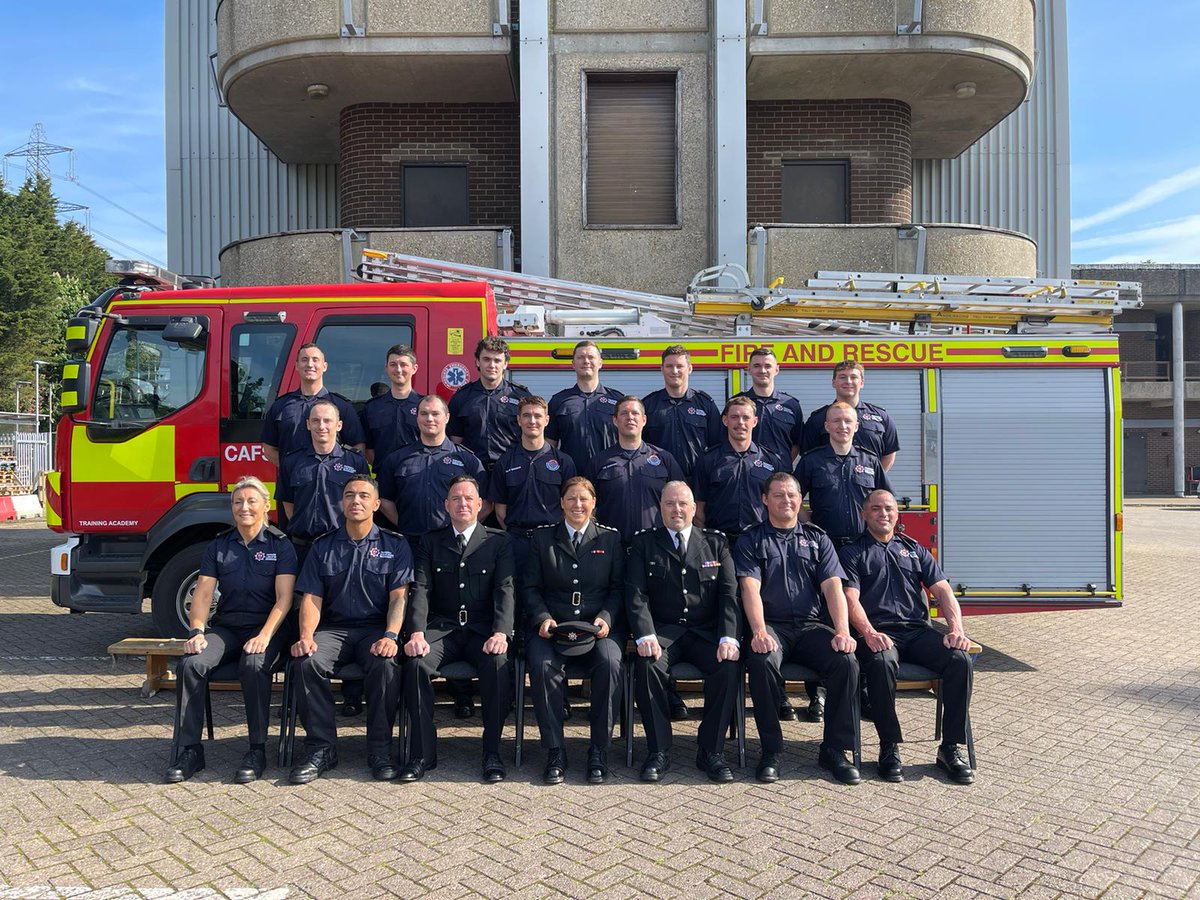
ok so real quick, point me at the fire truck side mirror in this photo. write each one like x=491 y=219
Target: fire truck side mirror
x=183 y=330
x=76 y=385
x=80 y=332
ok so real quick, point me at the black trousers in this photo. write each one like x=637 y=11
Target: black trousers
x=548 y=682
x=919 y=643
x=337 y=645
x=254 y=672
x=495 y=689
x=651 y=680
x=806 y=644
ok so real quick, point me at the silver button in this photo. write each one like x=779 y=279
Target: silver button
x=576 y=581
x=462 y=585
x=574 y=565
x=683 y=571
x=462 y=565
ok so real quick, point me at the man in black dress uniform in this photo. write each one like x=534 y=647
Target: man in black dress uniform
x=461 y=609
x=681 y=596
x=887 y=575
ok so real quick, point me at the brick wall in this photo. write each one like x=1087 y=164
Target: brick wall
x=378 y=138
x=1160 y=455
x=875 y=135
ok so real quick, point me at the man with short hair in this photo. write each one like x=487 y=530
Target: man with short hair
x=630 y=475
x=527 y=480
x=461 y=609
x=682 y=420
x=311 y=479
x=729 y=476
x=582 y=416
x=876 y=430
x=389 y=419
x=837 y=477
x=284 y=423
x=681 y=598
x=791 y=584
x=414 y=480
x=483 y=413
x=780 y=418
x=887 y=575
x=354 y=583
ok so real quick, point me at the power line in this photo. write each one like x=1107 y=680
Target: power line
x=141 y=254
x=127 y=212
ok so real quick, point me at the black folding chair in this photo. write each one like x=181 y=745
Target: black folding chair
x=348 y=671
x=573 y=671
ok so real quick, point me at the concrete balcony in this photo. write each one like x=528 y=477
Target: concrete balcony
x=1152 y=382
x=326 y=257
x=797 y=251
x=962 y=66
x=287 y=69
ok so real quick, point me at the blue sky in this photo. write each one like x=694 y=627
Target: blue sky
x=92 y=73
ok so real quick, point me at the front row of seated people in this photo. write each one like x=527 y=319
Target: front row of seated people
x=674 y=591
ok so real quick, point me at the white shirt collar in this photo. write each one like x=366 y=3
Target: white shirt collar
x=467 y=533
x=687 y=535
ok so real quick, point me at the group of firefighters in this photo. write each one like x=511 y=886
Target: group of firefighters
x=663 y=519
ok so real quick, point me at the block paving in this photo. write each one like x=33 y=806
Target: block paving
x=1087 y=727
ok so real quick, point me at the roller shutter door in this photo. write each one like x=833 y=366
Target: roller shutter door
x=896 y=390
x=1024 y=495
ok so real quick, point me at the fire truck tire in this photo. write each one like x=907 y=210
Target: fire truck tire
x=171 y=600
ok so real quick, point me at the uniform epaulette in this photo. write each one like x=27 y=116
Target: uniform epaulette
x=912 y=542
x=394 y=534
x=276 y=531
x=551 y=525
x=487 y=529
x=605 y=527
x=713 y=531
x=643 y=531
x=343 y=396
x=517 y=384
x=816 y=528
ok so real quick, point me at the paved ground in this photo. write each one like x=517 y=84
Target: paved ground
x=1087 y=725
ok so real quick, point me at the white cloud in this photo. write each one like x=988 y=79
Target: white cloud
x=1160 y=190
x=1176 y=241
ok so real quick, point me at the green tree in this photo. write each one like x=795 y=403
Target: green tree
x=48 y=270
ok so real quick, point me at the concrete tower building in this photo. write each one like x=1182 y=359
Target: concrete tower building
x=624 y=143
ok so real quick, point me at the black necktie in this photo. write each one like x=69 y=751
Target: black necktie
x=682 y=543
x=462 y=543
x=578 y=539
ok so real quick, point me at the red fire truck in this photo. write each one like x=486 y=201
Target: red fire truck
x=1009 y=467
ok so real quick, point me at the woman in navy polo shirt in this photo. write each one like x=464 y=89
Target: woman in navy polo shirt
x=253 y=565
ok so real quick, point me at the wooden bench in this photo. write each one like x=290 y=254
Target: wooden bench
x=158 y=652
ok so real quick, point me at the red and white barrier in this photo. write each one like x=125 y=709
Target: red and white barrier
x=22 y=506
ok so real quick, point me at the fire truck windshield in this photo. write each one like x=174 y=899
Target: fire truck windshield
x=146 y=378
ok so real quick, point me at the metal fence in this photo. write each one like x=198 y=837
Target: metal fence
x=23 y=459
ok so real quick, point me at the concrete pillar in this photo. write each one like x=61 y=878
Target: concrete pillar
x=729 y=133
x=1178 y=393
x=535 y=137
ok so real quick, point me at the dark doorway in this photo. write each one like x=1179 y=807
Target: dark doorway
x=435 y=196
x=1136 y=463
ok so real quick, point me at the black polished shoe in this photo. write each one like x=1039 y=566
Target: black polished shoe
x=251 y=769
x=787 y=712
x=318 y=761
x=382 y=767
x=415 y=769
x=768 y=768
x=351 y=707
x=841 y=768
x=597 y=766
x=189 y=761
x=655 y=766
x=890 y=767
x=464 y=708
x=816 y=709
x=679 y=710
x=556 y=765
x=493 y=768
x=950 y=759
x=714 y=766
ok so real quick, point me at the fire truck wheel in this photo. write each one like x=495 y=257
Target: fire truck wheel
x=171 y=600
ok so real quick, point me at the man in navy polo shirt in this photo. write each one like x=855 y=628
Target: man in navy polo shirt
x=483 y=414
x=389 y=419
x=887 y=575
x=284 y=424
x=414 y=480
x=780 y=418
x=355 y=582
x=682 y=420
x=311 y=478
x=630 y=475
x=581 y=416
x=876 y=430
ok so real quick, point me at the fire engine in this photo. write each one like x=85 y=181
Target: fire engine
x=1005 y=393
